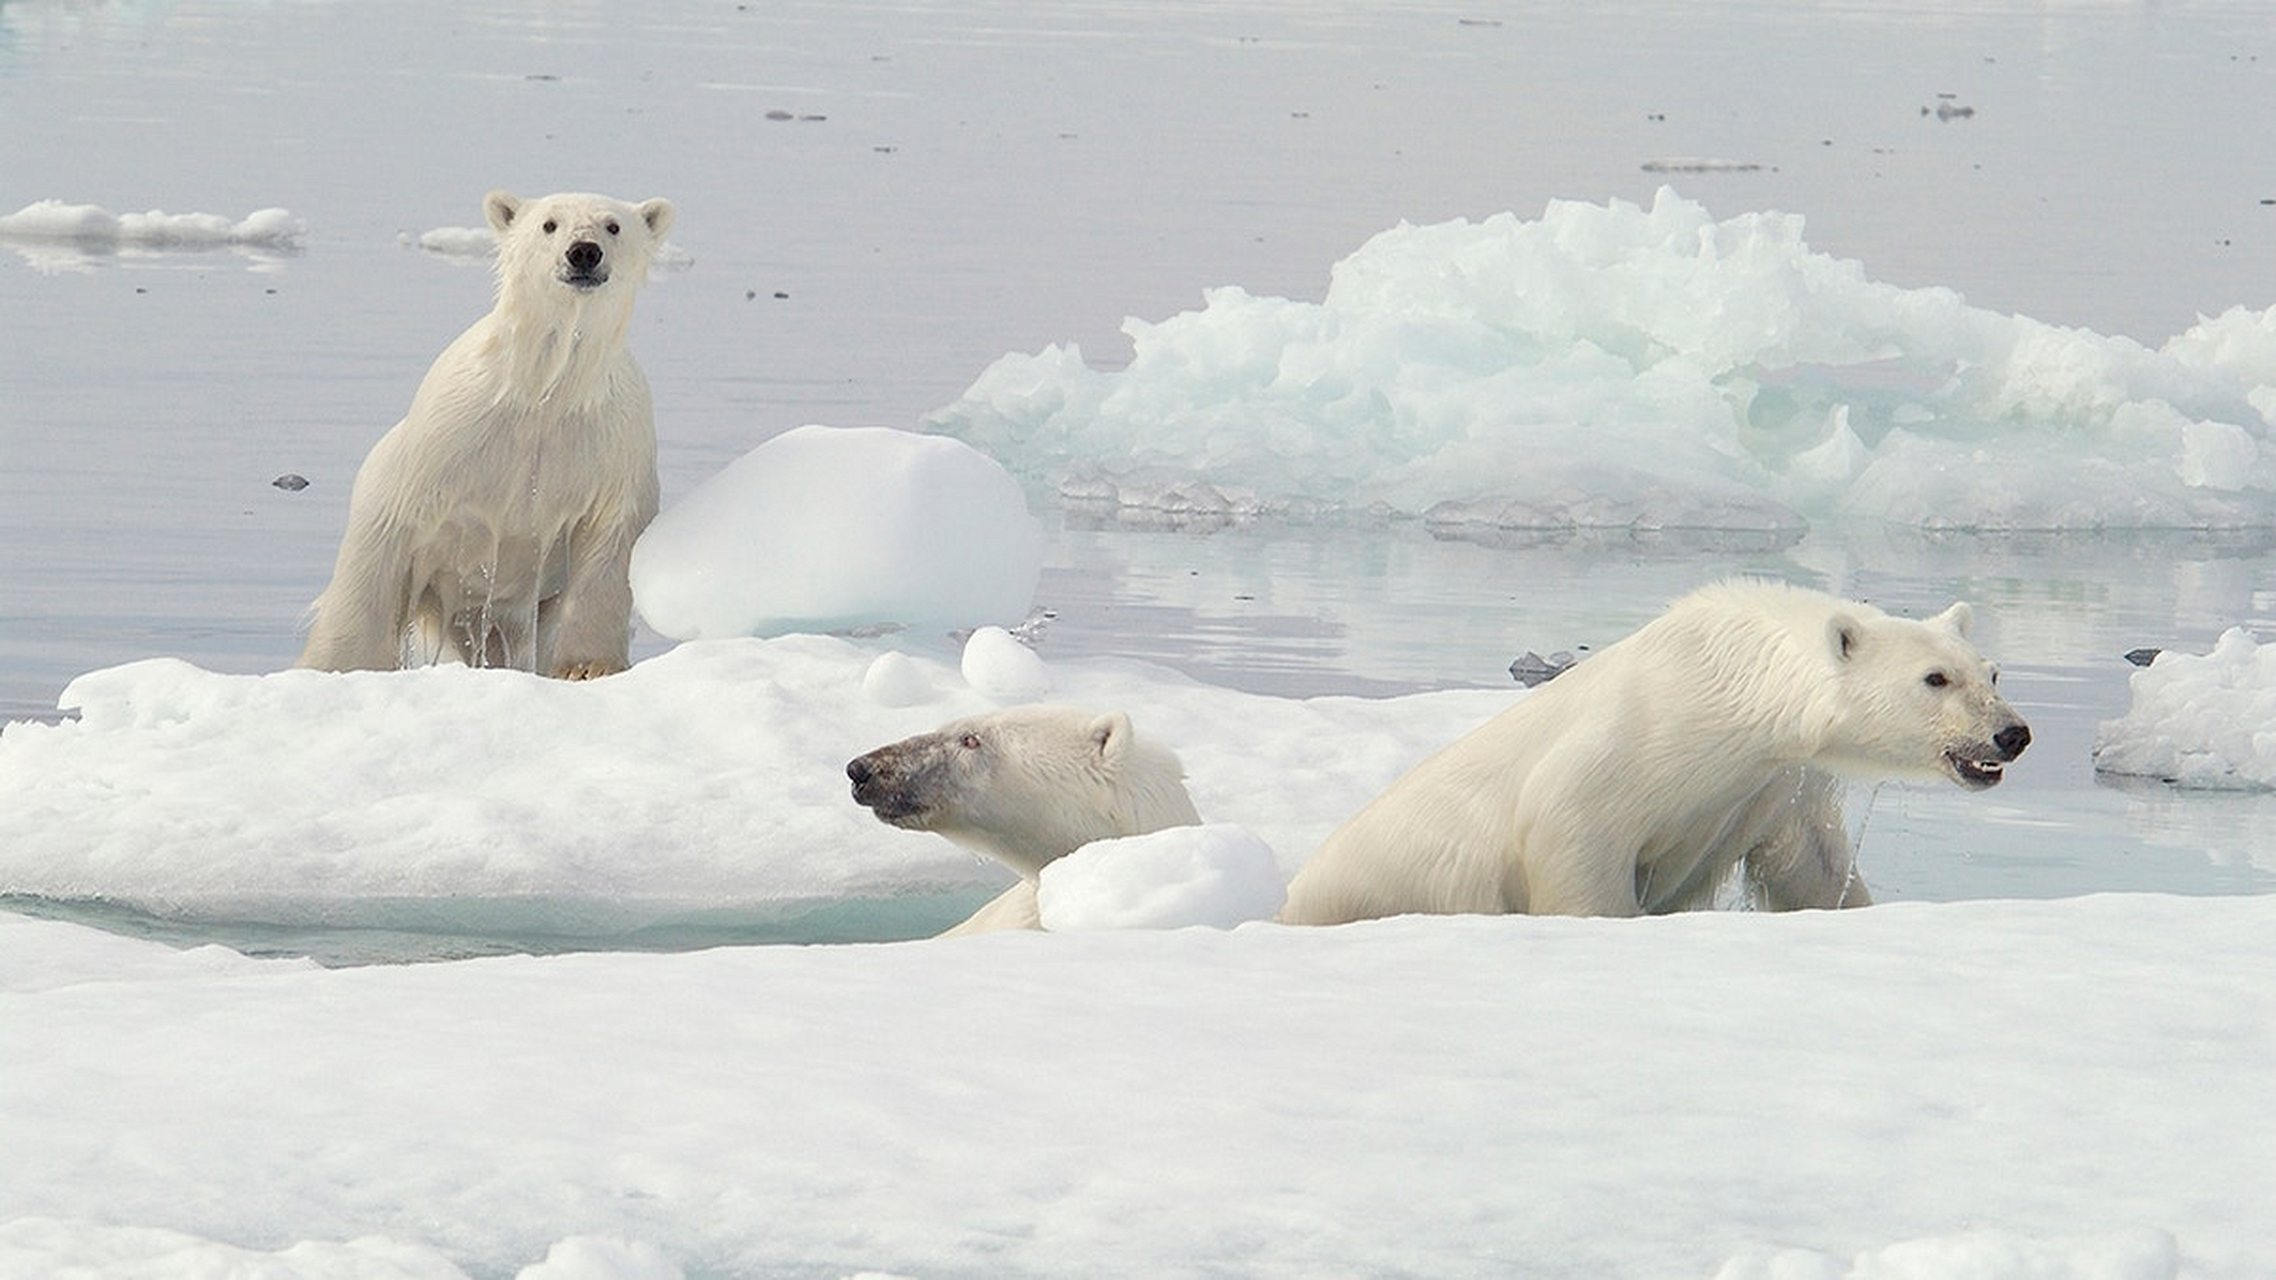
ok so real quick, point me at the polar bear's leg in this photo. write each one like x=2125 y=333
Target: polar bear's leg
x=1014 y=908
x=1803 y=857
x=1579 y=870
x=586 y=631
x=358 y=622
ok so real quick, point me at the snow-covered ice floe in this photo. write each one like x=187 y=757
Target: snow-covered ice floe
x=2070 y=1088
x=1610 y=366
x=2200 y=721
x=703 y=792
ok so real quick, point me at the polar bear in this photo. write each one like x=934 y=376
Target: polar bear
x=493 y=525
x=1025 y=785
x=1719 y=734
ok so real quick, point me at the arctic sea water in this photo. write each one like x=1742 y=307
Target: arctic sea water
x=876 y=217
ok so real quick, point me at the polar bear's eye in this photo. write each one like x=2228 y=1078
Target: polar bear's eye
x=1936 y=679
x=550 y=225
x=970 y=742
x=613 y=228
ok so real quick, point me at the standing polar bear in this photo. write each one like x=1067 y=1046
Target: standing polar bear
x=494 y=524
x=1025 y=785
x=1719 y=734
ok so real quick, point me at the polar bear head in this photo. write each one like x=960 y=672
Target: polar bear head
x=1915 y=698
x=585 y=244
x=1026 y=784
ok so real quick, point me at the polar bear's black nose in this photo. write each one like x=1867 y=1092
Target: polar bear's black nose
x=584 y=255
x=2013 y=739
x=858 y=769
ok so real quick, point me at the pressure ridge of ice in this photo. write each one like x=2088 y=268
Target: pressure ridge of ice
x=1608 y=366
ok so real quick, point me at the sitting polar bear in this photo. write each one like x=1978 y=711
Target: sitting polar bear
x=494 y=524
x=1025 y=785
x=1717 y=735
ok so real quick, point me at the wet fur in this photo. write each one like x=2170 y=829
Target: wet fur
x=1717 y=736
x=494 y=524
x=1025 y=785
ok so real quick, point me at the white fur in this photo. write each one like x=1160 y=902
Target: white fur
x=494 y=523
x=1639 y=779
x=1025 y=785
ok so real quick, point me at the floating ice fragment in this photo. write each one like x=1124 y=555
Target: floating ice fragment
x=1000 y=667
x=95 y=227
x=2198 y=721
x=1651 y=368
x=1531 y=669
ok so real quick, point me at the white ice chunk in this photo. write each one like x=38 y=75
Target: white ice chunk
x=2199 y=721
x=896 y=680
x=95 y=226
x=824 y=528
x=1216 y=875
x=1616 y=365
x=1000 y=667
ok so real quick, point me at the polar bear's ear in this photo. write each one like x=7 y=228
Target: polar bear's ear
x=1956 y=619
x=1844 y=632
x=501 y=207
x=1111 y=734
x=657 y=214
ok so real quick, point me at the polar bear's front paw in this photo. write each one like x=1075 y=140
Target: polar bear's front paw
x=585 y=670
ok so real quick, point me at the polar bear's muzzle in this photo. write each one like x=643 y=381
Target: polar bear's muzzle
x=584 y=266
x=887 y=787
x=1982 y=765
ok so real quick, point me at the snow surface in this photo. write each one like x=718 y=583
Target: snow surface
x=2073 y=1088
x=825 y=528
x=2199 y=721
x=1612 y=366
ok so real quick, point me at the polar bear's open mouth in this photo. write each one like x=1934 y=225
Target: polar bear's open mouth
x=1973 y=773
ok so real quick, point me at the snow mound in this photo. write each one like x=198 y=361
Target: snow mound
x=1215 y=875
x=1000 y=667
x=2199 y=721
x=603 y=1258
x=1621 y=367
x=825 y=528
